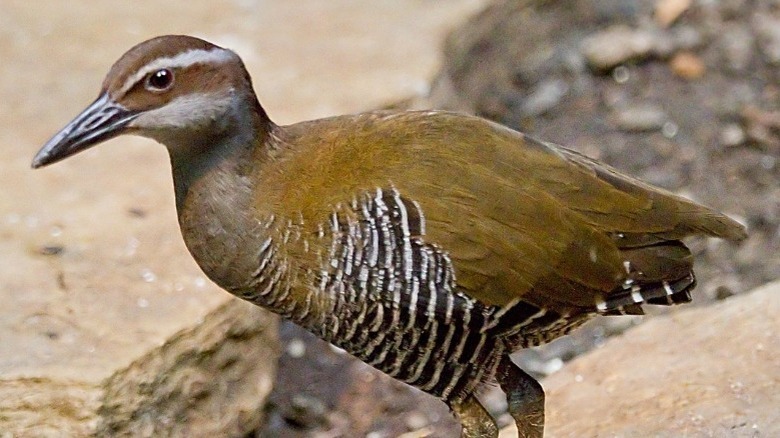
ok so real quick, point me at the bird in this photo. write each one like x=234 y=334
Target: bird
x=428 y=244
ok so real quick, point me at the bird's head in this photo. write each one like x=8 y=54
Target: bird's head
x=174 y=89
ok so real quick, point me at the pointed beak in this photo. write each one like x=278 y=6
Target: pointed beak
x=102 y=120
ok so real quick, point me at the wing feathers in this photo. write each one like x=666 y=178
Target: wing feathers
x=519 y=218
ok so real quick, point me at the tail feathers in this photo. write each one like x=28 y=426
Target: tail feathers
x=675 y=298
x=660 y=273
x=669 y=261
x=628 y=300
x=631 y=309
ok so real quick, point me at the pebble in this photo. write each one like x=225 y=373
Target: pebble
x=723 y=292
x=668 y=11
x=416 y=420
x=619 y=44
x=51 y=250
x=136 y=212
x=640 y=118
x=687 y=65
x=621 y=74
x=546 y=96
x=732 y=135
x=296 y=348
x=670 y=129
x=305 y=411
x=148 y=276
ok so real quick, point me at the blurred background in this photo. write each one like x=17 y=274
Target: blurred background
x=101 y=302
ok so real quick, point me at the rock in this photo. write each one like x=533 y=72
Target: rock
x=708 y=371
x=544 y=97
x=212 y=378
x=732 y=135
x=667 y=11
x=687 y=65
x=617 y=45
x=640 y=117
x=762 y=126
x=305 y=411
x=416 y=420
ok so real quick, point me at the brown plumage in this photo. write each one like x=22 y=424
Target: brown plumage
x=509 y=210
x=429 y=244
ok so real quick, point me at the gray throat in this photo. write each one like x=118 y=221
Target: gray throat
x=214 y=201
x=211 y=160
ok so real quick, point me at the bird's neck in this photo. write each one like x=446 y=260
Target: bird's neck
x=225 y=148
x=219 y=159
x=214 y=179
x=237 y=241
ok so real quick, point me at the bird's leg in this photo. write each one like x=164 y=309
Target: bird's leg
x=525 y=397
x=476 y=421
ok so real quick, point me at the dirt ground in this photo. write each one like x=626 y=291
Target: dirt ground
x=687 y=101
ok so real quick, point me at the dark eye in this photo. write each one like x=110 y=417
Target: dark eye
x=160 y=80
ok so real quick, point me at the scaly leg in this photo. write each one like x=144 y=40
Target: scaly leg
x=525 y=397
x=476 y=421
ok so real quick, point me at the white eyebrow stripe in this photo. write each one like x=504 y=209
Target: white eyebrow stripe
x=182 y=60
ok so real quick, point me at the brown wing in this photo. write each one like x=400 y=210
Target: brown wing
x=524 y=218
x=518 y=217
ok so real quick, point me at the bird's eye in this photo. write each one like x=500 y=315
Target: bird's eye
x=160 y=80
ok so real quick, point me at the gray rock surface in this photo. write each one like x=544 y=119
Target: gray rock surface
x=211 y=378
x=702 y=372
